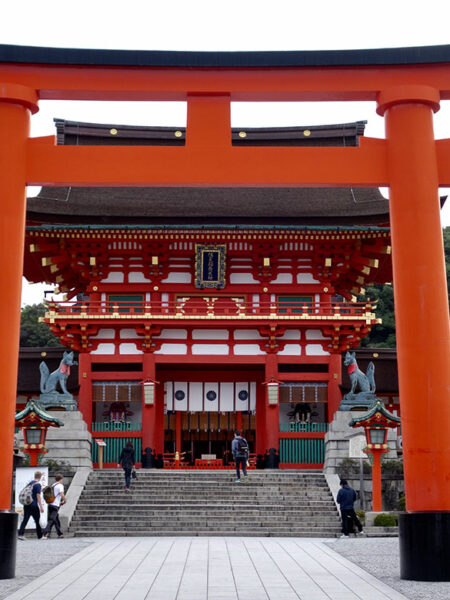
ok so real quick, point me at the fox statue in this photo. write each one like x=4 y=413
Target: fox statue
x=49 y=381
x=366 y=382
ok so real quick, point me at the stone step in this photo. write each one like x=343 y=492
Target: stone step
x=203 y=518
x=202 y=533
x=128 y=500
x=85 y=512
x=213 y=480
x=206 y=503
x=209 y=483
x=232 y=488
x=221 y=509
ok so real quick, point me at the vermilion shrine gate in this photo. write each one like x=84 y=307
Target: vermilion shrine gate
x=407 y=85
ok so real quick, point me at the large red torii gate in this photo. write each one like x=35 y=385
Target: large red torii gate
x=407 y=85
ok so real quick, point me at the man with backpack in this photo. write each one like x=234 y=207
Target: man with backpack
x=239 y=448
x=346 y=498
x=54 y=496
x=33 y=506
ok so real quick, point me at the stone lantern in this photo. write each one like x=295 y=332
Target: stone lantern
x=376 y=422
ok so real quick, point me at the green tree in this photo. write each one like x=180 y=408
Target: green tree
x=446 y=233
x=383 y=335
x=33 y=333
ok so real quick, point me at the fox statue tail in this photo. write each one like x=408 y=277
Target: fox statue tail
x=44 y=376
x=370 y=374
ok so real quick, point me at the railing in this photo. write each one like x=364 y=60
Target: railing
x=116 y=426
x=307 y=427
x=211 y=307
x=305 y=451
x=113 y=448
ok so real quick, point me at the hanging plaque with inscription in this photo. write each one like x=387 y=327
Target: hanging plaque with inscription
x=210 y=266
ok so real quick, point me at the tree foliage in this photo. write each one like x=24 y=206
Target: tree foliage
x=33 y=333
x=447 y=256
x=383 y=335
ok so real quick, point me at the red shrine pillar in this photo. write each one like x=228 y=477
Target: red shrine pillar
x=16 y=102
x=149 y=411
x=261 y=393
x=239 y=420
x=272 y=411
x=85 y=392
x=422 y=326
x=334 y=381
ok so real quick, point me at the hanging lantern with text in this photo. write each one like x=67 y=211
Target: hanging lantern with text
x=273 y=388
x=148 y=387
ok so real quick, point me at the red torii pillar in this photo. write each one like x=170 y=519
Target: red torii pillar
x=422 y=327
x=16 y=102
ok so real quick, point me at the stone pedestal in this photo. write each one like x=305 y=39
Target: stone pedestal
x=51 y=400
x=70 y=443
x=337 y=439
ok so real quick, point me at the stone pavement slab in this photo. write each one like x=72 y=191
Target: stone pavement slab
x=195 y=568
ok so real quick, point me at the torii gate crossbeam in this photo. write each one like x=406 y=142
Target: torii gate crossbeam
x=407 y=85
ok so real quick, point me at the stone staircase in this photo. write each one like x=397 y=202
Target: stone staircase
x=206 y=503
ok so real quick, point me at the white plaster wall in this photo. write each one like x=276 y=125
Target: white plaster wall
x=283 y=278
x=172 y=334
x=178 y=278
x=114 y=277
x=242 y=278
x=104 y=334
x=172 y=349
x=105 y=349
x=210 y=349
x=247 y=350
x=316 y=350
x=129 y=333
x=314 y=334
x=247 y=334
x=129 y=349
x=137 y=277
x=291 y=334
x=210 y=334
x=306 y=278
x=291 y=350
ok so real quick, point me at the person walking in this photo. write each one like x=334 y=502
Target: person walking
x=53 y=508
x=239 y=449
x=346 y=498
x=127 y=460
x=34 y=509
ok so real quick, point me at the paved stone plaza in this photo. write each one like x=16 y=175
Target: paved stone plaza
x=193 y=568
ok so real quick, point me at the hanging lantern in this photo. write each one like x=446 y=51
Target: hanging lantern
x=273 y=389
x=148 y=390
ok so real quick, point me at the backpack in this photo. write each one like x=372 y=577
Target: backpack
x=49 y=493
x=26 y=495
x=242 y=446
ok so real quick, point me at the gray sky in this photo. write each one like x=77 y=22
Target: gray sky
x=219 y=25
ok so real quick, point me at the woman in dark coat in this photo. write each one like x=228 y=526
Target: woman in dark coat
x=127 y=460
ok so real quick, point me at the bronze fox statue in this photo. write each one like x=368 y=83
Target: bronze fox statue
x=49 y=381
x=366 y=382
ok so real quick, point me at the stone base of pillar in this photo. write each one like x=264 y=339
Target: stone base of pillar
x=425 y=546
x=8 y=544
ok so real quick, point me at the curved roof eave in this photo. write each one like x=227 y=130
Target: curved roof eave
x=254 y=59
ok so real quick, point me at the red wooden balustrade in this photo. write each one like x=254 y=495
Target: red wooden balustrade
x=188 y=307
